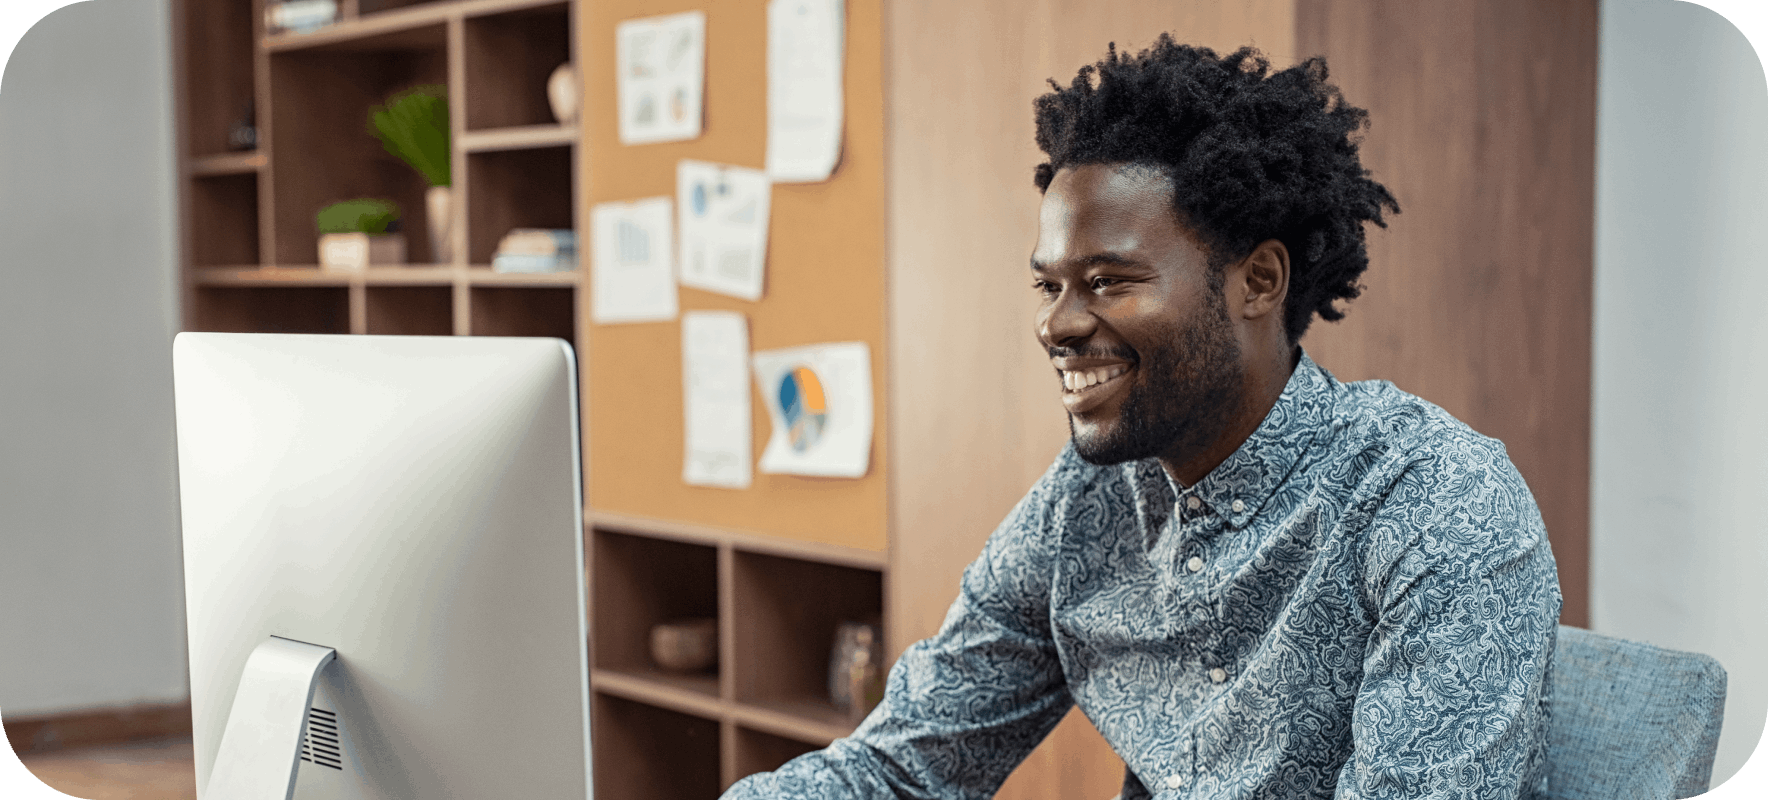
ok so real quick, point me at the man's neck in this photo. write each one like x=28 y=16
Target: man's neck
x=1260 y=388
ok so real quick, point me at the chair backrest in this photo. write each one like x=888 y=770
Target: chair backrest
x=1629 y=720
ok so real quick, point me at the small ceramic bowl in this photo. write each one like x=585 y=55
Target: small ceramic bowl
x=685 y=645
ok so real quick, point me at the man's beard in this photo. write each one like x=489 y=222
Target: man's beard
x=1184 y=394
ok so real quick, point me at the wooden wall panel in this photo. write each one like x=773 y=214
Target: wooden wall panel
x=1478 y=296
x=825 y=280
x=975 y=410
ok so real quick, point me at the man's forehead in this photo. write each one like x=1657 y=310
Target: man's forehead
x=1103 y=209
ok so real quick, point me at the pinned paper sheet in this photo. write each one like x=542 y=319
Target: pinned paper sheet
x=723 y=226
x=661 y=68
x=805 y=53
x=819 y=399
x=715 y=378
x=633 y=263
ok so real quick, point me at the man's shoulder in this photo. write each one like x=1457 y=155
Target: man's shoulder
x=1376 y=416
x=1442 y=485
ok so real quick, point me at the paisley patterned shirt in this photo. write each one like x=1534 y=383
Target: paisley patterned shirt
x=1360 y=602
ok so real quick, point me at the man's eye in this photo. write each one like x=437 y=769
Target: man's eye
x=1044 y=287
x=1103 y=283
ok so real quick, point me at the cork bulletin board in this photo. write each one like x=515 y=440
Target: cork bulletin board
x=825 y=281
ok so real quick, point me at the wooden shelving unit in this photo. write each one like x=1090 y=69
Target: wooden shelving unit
x=249 y=233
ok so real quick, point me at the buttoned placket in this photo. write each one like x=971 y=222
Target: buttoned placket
x=1194 y=516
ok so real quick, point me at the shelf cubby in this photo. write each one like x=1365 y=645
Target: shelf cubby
x=218 y=36
x=764 y=752
x=410 y=310
x=509 y=57
x=323 y=152
x=224 y=220
x=520 y=188
x=786 y=613
x=522 y=311
x=650 y=581
x=253 y=309
x=653 y=753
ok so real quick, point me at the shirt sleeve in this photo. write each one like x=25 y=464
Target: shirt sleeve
x=961 y=709
x=1467 y=600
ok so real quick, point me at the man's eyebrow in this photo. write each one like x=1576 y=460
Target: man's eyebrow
x=1096 y=259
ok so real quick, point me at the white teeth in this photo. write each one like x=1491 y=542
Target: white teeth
x=1077 y=380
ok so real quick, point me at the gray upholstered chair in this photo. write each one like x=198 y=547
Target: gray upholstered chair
x=1629 y=720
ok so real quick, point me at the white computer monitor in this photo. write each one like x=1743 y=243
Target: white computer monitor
x=389 y=530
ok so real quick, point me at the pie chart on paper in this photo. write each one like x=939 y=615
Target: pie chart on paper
x=804 y=406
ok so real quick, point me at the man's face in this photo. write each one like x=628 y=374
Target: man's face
x=1137 y=329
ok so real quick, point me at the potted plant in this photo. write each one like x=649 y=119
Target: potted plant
x=413 y=126
x=356 y=233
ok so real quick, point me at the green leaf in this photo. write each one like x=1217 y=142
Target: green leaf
x=413 y=126
x=365 y=215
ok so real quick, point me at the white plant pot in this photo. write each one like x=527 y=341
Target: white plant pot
x=439 y=214
x=354 y=252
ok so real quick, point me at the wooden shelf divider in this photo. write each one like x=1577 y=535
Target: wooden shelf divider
x=241 y=163
x=810 y=730
x=815 y=729
x=748 y=541
x=520 y=137
x=270 y=276
x=398 y=20
x=657 y=693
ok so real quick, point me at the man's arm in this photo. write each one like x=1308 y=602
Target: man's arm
x=964 y=707
x=1468 y=602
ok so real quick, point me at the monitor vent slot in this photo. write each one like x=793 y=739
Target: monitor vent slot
x=319 y=742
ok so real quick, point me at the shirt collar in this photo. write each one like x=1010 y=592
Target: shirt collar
x=1254 y=471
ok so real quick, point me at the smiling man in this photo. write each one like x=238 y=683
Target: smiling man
x=1255 y=581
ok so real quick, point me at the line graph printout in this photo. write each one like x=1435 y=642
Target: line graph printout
x=723 y=213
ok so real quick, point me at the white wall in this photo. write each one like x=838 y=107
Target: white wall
x=91 y=592
x=1679 y=533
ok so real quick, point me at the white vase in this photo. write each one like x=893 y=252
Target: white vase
x=562 y=94
x=439 y=213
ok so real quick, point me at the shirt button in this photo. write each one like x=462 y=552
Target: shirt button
x=1193 y=503
x=1195 y=564
x=1174 y=781
x=1239 y=506
x=1218 y=675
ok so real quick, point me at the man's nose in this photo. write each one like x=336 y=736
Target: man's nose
x=1067 y=320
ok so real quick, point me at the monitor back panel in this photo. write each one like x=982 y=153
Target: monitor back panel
x=415 y=504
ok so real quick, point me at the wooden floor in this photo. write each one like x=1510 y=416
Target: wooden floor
x=157 y=770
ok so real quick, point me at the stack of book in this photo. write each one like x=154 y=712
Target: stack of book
x=536 y=250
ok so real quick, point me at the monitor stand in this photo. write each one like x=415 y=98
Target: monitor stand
x=261 y=745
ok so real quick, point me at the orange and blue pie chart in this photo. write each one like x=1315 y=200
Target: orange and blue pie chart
x=803 y=405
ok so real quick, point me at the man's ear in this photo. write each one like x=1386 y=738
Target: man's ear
x=1266 y=280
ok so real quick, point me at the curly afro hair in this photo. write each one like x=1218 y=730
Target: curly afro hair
x=1252 y=155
